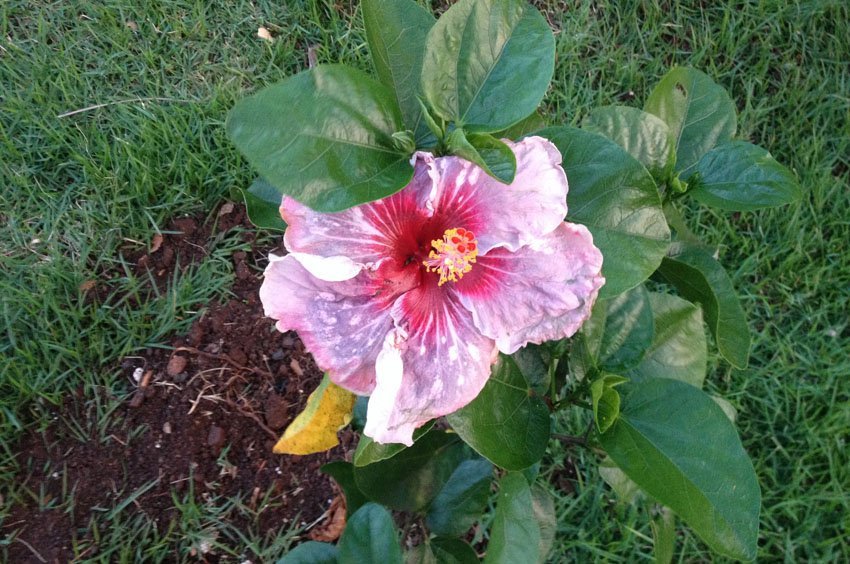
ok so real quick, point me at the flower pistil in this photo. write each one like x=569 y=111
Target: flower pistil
x=453 y=255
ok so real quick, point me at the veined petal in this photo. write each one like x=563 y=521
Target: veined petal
x=368 y=233
x=543 y=291
x=343 y=324
x=500 y=215
x=444 y=363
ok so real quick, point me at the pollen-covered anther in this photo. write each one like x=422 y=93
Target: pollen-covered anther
x=453 y=255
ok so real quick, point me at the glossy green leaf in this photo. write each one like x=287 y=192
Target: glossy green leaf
x=488 y=63
x=462 y=500
x=728 y=408
x=526 y=126
x=324 y=137
x=453 y=551
x=679 y=350
x=507 y=423
x=396 y=31
x=617 y=199
x=543 y=508
x=664 y=536
x=626 y=333
x=740 y=176
x=680 y=448
x=420 y=554
x=623 y=486
x=311 y=552
x=644 y=136
x=262 y=202
x=698 y=111
x=529 y=359
x=370 y=536
x=412 y=478
x=343 y=473
x=515 y=535
x=701 y=279
x=369 y=452
x=606 y=400
x=496 y=158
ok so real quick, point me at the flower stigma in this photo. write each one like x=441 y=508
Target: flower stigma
x=453 y=255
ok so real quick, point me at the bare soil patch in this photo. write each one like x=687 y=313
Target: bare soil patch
x=199 y=423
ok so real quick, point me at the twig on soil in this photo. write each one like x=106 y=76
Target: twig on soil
x=33 y=550
x=226 y=359
x=253 y=416
x=198 y=399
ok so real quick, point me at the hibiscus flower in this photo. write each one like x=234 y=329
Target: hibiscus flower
x=409 y=299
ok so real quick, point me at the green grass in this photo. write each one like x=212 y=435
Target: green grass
x=80 y=189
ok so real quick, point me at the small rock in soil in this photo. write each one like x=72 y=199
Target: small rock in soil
x=238 y=356
x=216 y=438
x=276 y=411
x=176 y=365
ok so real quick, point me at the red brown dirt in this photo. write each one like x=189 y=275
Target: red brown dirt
x=200 y=421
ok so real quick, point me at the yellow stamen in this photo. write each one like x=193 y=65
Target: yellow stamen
x=453 y=255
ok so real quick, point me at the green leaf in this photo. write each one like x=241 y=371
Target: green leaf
x=343 y=473
x=515 y=536
x=740 y=176
x=606 y=400
x=680 y=448
x=311 y=552
x=324 y=137
x=679 y=350
x=453 y=551
x=728 y=409
x=462 y=500
x=370 y=536
x=412 y=478
x=627 y=330
x=529 y=360
x=496 y=158
x=369 y=452
x=262 y=202
x=526 y=126
x=488 y=63
x=623 y=486
x=543 y=507
x=507 y=423
x=701 y=279
x=664 y=536
x=396 y=31
x=646 y=137
x=617 y=199
x=698 y=111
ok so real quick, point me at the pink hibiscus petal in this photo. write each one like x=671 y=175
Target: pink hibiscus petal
x=434 y=363
x=543 y=291
x=342 y=324
x=502 y=215
x=363 y=234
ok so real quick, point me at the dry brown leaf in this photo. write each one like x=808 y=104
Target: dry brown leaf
x=332 y=527
x=263 y=33
x=226 y=209
x=87 y=285
x=156 y=242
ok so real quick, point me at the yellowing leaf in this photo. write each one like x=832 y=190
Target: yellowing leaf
x=329 y=408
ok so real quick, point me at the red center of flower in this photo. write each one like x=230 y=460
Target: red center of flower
x=453 y=255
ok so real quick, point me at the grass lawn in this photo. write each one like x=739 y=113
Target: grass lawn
x=111 y=122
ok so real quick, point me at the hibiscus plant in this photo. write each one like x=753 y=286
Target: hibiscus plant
x=475 y=273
